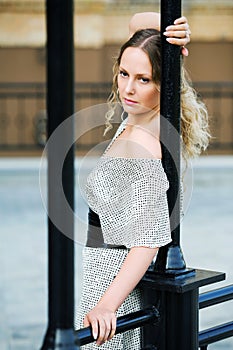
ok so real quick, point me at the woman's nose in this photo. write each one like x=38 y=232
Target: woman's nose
x=130 y=88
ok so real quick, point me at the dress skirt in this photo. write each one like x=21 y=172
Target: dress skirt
x=100 y=266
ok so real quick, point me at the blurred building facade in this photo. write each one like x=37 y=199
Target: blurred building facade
x=100 y=28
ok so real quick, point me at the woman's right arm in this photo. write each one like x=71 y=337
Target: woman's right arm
x=144 y=20
x=102 y=317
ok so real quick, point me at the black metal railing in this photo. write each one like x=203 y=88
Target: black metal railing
x=151 y=315
x=219 y=332
x=23 y=112
x=124 y=323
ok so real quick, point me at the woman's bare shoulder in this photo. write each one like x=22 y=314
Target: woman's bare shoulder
x=148 y=144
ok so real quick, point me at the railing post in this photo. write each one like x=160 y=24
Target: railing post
x=168 y=283
x=60 y=106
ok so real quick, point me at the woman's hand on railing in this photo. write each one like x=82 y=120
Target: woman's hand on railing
x=103 y=323
x=149 y=315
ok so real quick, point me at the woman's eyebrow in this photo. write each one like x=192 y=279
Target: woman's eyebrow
x=122 y=68
x=144 y=75
x=148 y=75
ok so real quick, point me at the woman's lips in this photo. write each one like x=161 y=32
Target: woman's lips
x=130 y=102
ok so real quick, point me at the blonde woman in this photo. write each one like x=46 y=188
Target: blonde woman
x=127 y=188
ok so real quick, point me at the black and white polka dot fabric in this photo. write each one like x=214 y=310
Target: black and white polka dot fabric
x=129 y=195
x=100 y=266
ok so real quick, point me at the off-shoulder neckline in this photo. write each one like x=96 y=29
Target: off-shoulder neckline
x=117 y=134
x=131 y=158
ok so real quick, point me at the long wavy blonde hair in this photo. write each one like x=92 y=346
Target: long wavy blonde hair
x=194 y=116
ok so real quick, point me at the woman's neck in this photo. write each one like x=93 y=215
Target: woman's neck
x=144 y=119
x=149 y=122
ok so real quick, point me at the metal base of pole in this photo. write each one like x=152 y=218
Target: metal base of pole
x=178 y=304
x=187 y=272
x=59 y=339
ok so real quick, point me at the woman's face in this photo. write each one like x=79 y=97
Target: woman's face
x=138 y=92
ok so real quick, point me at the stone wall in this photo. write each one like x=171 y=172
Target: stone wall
x=97 y=23
x=100 y=27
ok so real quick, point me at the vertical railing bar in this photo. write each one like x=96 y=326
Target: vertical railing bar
x=60 y=108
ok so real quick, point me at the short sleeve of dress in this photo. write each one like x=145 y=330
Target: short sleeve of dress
x=149 y=225
x=130 y=197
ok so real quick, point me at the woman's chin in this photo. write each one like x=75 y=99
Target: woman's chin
x=135 y=109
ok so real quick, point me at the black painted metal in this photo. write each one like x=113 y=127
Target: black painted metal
x=215 y=334
x=169 y=283
x=171 y=257
x=220 y=332
x=215 y=296
x=60 y=105
x=124 y=323
x=182 y=284
x=177 y=300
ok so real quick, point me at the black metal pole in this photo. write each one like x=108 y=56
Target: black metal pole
x=60 y=106
x=168 y=283
x=170 y=258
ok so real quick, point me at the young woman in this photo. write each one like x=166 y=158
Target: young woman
x=127 y=188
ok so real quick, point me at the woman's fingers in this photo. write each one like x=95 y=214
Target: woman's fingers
x=183 y=34
x=93 y=322
x=178 y=41
x=113 y=328
x=102 y=332
x=107 y=329
x=103 y=326
x=181 y=20
x=184 y=51
x=179 y=34
x=183 y=27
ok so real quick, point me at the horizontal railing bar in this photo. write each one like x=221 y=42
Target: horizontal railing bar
x=212 y=335
x=215 y=296
x=124 y=323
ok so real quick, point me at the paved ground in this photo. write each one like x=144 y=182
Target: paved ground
x=207 y=241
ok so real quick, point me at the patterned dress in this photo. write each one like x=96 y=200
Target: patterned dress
x=129 y=195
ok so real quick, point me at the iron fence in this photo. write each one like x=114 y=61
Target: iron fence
x=23 y=112
x=219 y=332
x=153 y=315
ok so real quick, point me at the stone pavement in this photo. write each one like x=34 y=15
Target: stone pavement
x=207 y=241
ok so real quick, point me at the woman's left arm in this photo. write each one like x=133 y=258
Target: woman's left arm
x=102 y=318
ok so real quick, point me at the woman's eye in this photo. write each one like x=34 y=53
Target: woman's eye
x=145 y=80
x=123 y=74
